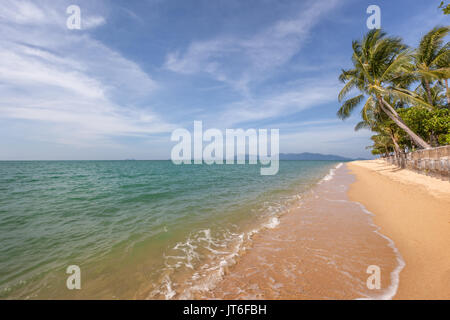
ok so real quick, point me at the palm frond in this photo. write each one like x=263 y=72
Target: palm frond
x=410 y=97
x=349 y=105
x=346 y=89
x=362 y=125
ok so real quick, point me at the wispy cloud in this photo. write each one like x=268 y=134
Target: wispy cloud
x=239 y=60
x=117 y=87
x=67 y=81
x=23 y=12
x=302 y=95
x=43 y=12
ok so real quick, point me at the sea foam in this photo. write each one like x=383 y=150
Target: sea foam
x=331 y=173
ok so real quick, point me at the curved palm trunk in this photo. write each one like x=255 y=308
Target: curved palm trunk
x=398 y=151
x=391 y=113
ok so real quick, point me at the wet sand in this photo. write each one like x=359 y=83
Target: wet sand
x=414 y=211
x=321 y=249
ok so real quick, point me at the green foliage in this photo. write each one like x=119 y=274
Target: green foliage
x=405 y=90
x=445 y=8
x=429 y=123
x=382 y=144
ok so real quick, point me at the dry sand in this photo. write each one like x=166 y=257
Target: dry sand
x=414 y=211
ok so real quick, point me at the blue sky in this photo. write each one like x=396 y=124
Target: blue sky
x=137 y=70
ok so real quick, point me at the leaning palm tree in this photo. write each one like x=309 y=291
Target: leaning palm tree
x=380 y=123
x=432 y=60
x=382 y=70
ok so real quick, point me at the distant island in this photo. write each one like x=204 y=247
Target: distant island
x=313 y=156
x=309 y=156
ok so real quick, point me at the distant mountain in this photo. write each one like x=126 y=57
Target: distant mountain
x=304 y=156
x=312 y=156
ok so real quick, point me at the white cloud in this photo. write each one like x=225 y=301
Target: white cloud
x=68 y=82
x=21 y=12
x=250 y=57
x=305 y=94
x=22 y=66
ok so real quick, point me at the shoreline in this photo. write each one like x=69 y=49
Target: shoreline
x=321 y=249
x=413 y=211
x=318 y=245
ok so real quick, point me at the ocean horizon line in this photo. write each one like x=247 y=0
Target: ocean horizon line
x=303 y=156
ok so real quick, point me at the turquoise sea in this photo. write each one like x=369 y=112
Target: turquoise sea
x=136 y=229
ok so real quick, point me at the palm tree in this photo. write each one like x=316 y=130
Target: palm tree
x=382 y=144
x=437 y=93
x=378 y=122
x=382 y=70
x=431 y=60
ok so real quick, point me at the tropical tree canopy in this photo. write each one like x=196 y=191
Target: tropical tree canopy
x=384 y=72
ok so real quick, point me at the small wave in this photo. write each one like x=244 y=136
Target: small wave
x=198 y=263
x=331 y=173
x=395 y=274
x=207 y=257
x=273 y=223
x=169 y=292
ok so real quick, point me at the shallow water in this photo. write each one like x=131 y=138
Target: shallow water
x=137 y=229
x=321 y=249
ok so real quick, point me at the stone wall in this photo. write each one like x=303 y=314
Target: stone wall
x=433 y=162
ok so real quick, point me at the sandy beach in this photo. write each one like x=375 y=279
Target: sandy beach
x=320 y=249
x=414 y=211
x=322 y=246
